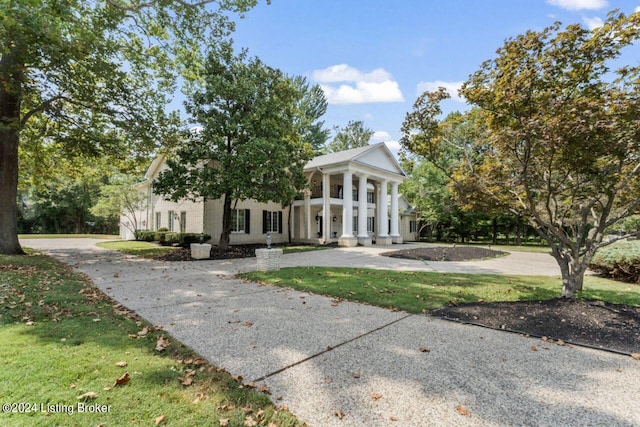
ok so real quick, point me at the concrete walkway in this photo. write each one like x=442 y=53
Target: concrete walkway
x=323 y=358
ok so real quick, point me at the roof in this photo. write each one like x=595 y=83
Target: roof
x=355 y=155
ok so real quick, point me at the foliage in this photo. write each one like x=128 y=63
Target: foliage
x=91 y=78
x=249 y=146
x=562 y=142
x=72 y=339
x=120 y=198
x=311 y=106
x=355 y=134
x=416 y=292
x=620 y=261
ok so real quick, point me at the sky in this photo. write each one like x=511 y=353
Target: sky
x=373 y=58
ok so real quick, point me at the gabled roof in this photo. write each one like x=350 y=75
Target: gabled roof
x=375 y=155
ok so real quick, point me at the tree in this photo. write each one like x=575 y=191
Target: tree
x=311 y=106
x=92 y=76
x=563 y=139
x=353 y=135
x=120 y=197
x=249 y=146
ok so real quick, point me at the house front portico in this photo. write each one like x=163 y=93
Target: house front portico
x=347 y=202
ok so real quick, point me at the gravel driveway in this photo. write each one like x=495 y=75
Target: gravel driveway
x=347 y=364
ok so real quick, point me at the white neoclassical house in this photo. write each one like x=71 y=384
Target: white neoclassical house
x=352 y=199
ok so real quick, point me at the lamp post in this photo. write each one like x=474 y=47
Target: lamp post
x=268 y=240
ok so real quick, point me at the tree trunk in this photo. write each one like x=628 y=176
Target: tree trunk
x=494 y=231
x=226 y=223
x=10 y=83
x=572 y=274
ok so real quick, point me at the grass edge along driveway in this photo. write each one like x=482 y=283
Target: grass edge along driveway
x=418 y=292
x=72 y=356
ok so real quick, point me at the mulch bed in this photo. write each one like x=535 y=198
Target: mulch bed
x=594 y=323
x=235 y=251
x=461 y=253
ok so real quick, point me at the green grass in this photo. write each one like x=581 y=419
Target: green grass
x=302 y=248
x=141 y=249
x=61 y=338
x=419 y=291
x=67 y=236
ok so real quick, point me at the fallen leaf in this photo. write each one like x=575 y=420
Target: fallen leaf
x=393 y=419
x=636 y=356
x=462 y=410
x=186 y=381
x=224 y=422
x=424 y=349
x=122 y=380
x=121 y=364
x=560 y=342
x=534 y=348
x=356 y=375
x=88 y=395
x=160 y=419
x=250 y=422
x=328 y=380
x=116 y=275
x=247 y=324
x=338 y=413
x=162 y=343
x=264 y=389
x=143 y=332
x=199 y=398
x=376 y=396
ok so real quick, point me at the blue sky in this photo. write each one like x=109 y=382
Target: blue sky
x=374 y=57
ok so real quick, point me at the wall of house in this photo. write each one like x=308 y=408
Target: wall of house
x=194 y=212
x=255 y=234
x=405 y=228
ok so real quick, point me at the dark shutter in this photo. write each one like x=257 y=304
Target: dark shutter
x=280 y=222
x=264 y=222
x=247 y=221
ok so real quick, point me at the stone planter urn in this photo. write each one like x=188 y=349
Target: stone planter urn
x=200 y=250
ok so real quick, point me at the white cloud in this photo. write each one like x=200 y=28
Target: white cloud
x=381 y=135
x=451 y=87
x=637 y=9
x=394 y=146
x=579 y=4
x=593 y=23
x=357 y=87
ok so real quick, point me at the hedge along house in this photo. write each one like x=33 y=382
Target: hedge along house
x=347 y=185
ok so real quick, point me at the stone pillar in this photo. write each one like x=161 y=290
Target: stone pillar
x=326 y=207
x=347 y=238
x=363 y=236
x=383 y=218
x=395 y=220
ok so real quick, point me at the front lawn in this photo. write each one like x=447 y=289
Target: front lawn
x=138 y=248
x=66 y=348
x=419 y=291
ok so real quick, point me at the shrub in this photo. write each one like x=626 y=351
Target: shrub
x=620 y=261
x=145 y=236
x=170 y=238
x=187 y=239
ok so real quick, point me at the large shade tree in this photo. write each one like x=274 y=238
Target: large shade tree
x=563 y=142
x=91 y=77
x=249 y=146
x=353 y=135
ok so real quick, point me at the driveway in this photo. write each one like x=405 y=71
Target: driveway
x=323 y=358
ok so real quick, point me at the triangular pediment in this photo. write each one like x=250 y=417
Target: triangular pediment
x=380 y=157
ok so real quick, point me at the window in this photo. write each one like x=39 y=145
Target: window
x=170 y=221
x=355 y=224
x=183 y=222
x=371 y=224
x=370 y=198
x=413 y=226
x=272 y=221
x=240 y=221
x=158 y=220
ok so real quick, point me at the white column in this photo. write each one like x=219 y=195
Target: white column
x=326 y=206
x=395 y=220
x=383 y=221
x=362 y=208
x=347 y=205
x=307 y=214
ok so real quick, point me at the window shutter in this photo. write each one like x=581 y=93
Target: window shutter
x=279 y=221
x=247 y=221
x=264 y=222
